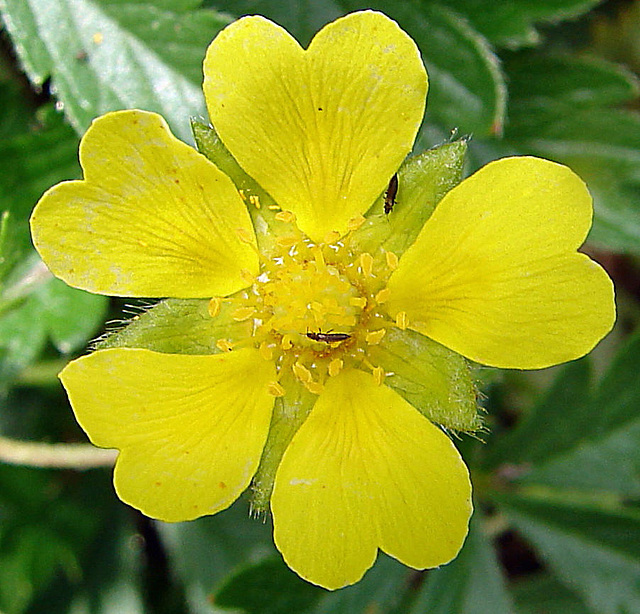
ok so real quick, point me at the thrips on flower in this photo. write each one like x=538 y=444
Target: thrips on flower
x=273 y=233
x=390 y=194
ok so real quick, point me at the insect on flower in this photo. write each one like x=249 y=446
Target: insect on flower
x=328 y=337
x=390 y=194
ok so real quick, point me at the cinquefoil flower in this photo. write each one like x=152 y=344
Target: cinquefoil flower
x=307 y=348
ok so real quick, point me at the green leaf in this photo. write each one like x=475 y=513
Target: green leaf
x=566 y=83
x=543 y=593
x=15 y=117
x=471 y=584
x=511 y=24
x=594 y=550
x=268 y=587
x=381 y=590
x=205 y=551
x=32 y=162
x=103 y=55
x=554 y=425
x=602 y=451
x=69 y=317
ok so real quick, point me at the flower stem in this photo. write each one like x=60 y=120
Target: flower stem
x=79 y=456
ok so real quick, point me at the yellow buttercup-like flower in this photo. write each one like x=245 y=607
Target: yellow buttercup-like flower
x=311 y=339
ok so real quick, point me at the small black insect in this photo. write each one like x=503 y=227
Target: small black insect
x=328 y=337
x=390 y=194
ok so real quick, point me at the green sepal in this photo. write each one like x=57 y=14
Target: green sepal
x=177 y=326
x=434 y=379
x=266 y=226
x=289 y=412
x=423 y=180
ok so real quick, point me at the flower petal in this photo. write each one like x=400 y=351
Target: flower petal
x=323 y=129
x=190 y=429
x=494 y=274
x=152 y=217
x=367 y=471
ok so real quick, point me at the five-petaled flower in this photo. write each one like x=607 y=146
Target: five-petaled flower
x=312 y=340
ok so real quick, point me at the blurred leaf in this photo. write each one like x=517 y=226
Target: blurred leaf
x=69 y=317
x=594 y=550
x=32 y=162
x=16 y=115
x=104 y=55
x=543 y=594
x=471 y=584
x=204 y=552
x=554 y=425
x=566 y=83
x=268 y=587
x=601 y=432
x=511 y=24
x=381 y=590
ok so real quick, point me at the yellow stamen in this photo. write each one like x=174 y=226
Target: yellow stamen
x=275 y=389
x=332 y=237
x=224 y=345
x=314 y=387
x=287 y=342
x=274 y=207
x=285 y=216
x=375 y=336
x=358 y=301
x=402 y=320
x=355 y=222
x=242 y=195
x=392 y=260
x=366 y=263
x=265 y=351
x=255 y=201
x=301 y=372
x=286 y=242
x=214 y=306
x=243 y=313
x=335 y=366
x=378 y=375
x=244 y=235
x=383 y=295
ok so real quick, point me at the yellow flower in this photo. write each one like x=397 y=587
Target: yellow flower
x=306 y=347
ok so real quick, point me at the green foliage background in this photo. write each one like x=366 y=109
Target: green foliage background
x=557 y=480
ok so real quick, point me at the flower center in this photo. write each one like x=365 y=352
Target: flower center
x=316 y=308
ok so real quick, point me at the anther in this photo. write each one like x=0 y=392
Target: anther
x=332 y=237
x=265 y=351
x=274 y=207
x=255 y=201
x=286 y=242
x=355 y=222
x=392 y=260
x=301 y=372
x=287 y=342
x=314 y=387
x=378 y=375
x=375 y=336
x=358 y=301
x=275 y=389
x=214 y=306
x=242 y=195
x=402 y=320
x=285 y=216
x=366 y=264
x=383 y=295
x=335 y=366
x=224 y=345
x=243 y=313
x=245 y=236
